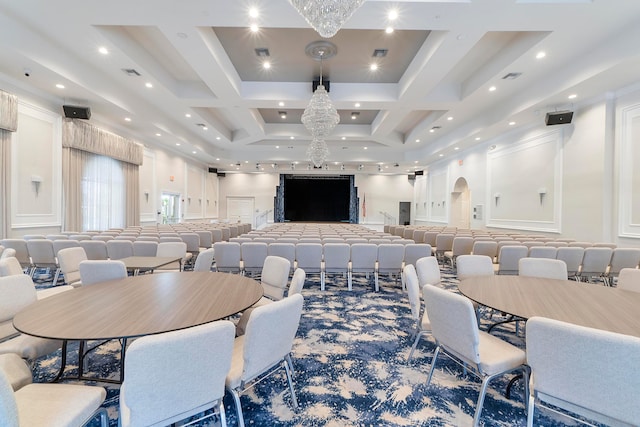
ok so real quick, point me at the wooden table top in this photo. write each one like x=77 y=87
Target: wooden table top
x=139 y=305
x=148 y=262
x=585 y=304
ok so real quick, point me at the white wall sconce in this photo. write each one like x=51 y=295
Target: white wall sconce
x=36 y=180
x=496 y=197
x=146 y=195
x=207 y=202
x=542 y=191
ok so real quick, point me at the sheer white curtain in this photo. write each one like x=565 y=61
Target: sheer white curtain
x=103 y=193
x=5 y=183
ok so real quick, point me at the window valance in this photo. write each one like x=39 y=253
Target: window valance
x=8 y=111
x=83 y=136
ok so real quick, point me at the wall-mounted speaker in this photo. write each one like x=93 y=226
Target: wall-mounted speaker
x=558 y=118
x=316 y=83
x=411 y=177
x=213 y=170
x=418 y=173
x=76 y=112
x=221 y=174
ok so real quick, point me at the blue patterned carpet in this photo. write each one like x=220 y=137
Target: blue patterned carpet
x=351 y=370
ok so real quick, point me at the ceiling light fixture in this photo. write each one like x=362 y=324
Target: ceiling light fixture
x=320 y=117
x=326 y=16
x=354 y=115
x=282 y=114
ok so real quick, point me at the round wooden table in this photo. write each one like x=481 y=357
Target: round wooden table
x=585 y=304
x=137 y=306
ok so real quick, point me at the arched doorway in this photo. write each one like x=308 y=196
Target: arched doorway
x=460 y=204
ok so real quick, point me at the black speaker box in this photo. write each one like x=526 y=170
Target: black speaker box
x=213 y=170
x=558 y=118
x=411 y=177
x=316 y=83
x=76 y=112
x=221 y=174
x=418 y=173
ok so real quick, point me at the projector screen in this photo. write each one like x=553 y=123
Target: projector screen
x=321 y=198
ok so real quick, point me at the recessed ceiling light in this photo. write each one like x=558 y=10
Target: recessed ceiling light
x=205 y=128
x=417 y=140
x=343 y=138
x=477 y=138
x=266 y=65
x=158 y=134
x=573 y=96
x=217 y=159
x=492 y=89
x=253 y=12
x=149 y=85
x=441 y=155
x=354 y=115
x=127 y=119
x=373 y=67
x=254 y=28
x=292 y=137
x=357 y=105
x=103 y=50
x=512 y=123
x=178 y=144
x=194 y=152
x=218 y=138
x=416 y=162
x=282 y=114
x=280 y=104
x=246 y=161
x=389 y=30
x=541 y=54
x=60 y=86
x=366 y=148
x=449 y=118
x=393 y=15
x=187 y=115
x=277 y=146
x=456 y=148
x=432 y=130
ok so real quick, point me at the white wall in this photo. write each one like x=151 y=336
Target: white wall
x=260 y=186
x=383 y=194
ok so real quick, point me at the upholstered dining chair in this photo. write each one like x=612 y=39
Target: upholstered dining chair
x=595 y=385
x=10 y=267
x=204 y=261
x=275 y=273
x=264 y=347
x=390 y=260
x=572 y=256
x=423 y=325
x=543 y=267
x=69 y=260
x=428 y=271
x=43 y=256
x=95 y=271
x=336 y=260
x=174 y=375
x=629 y=279
x=413 y=252
x=474 y=265
x=455 y=328
x=363 y=260
x=45 y=405
x=253 y=257
x=16 y=293
x=95 y=249
x=297 y=282
x=621 y=258
x=595 y=263
x=508 y=258
x=228 y=257
x=173 y=249
x=118 y=249
x=20 y=252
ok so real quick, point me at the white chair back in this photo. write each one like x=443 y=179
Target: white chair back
x=583 y=384
x=274 y=277
x=204 y=261
x=428 y=271
x=96 y=271
x=10 y=267
x=297 y=282
x=474 y=265
x=543 y=267
x=70 y=259
x=629 y=279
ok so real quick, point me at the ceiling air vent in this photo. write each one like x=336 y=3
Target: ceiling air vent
x=380 y=53
x=131 y=72
x=262 y=51
x=511 y=76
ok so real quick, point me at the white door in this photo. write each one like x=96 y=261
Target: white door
x=240 y=209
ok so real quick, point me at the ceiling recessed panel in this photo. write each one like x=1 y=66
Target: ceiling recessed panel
x=289 y=62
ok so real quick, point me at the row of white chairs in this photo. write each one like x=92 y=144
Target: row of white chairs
x=323 y=259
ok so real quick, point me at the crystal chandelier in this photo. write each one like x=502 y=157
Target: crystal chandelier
x=318 y=152
x=320 y=117
x=326 y=16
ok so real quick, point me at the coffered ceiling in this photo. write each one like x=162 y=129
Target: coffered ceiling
x=429 y=98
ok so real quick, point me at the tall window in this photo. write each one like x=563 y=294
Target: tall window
x=103 y=193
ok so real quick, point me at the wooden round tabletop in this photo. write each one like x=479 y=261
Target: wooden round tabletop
x=585 y=304
x=140 y=305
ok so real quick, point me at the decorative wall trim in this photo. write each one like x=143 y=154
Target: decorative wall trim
x=628 y=174
x=548 y=195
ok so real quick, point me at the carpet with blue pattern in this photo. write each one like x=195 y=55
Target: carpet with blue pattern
x=351 y=369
